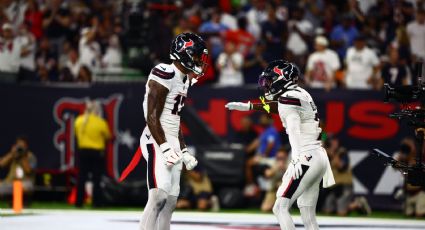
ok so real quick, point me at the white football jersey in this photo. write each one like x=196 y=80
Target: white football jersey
x=300 y=101
x=177 y=83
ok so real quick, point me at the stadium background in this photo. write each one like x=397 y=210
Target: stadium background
x=42 y=105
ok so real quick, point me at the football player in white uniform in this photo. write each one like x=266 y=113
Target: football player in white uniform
x=162 y=142
x=309 y=161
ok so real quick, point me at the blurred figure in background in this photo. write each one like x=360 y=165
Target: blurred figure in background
x=300 y=36
x=89 y=49
x=339 y=199
x=197 y=191
x=362 y=66
x=84 y=74
x=322 y=65
x=10 y=51
x=343 y=35
x=416 y=32
x=268 y=144
x=393 y=72
x=243 y=40
x=92 y=132
x=20 y=162
x=414 y=196
x=73 y=63
x=273 y=33
x=274 y=174
x=247 y=136
x=46 y=61
x=112 y=60
x=28 y=45
x=229 y=64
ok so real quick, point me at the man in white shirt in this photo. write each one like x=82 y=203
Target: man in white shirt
x=112 y=59
x=10 y=50
x=229 y=63
x=362 y=64
x=416 y=32
x=73 y=63
x=27 y=43
x=300 y=31
x=322 y=65
x=89 y=49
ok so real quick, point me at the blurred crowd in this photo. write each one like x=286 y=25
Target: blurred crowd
x=56 y=40
x=268 y=154
x=346 y=44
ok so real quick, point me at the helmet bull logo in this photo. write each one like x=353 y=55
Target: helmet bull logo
x=278 y=71
x=186 y=45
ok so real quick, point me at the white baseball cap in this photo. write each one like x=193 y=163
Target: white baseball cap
x=321 y=40
x=7 y=26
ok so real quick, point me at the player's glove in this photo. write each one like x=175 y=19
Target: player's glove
x=240 y=106
x=171 y=157
x=189 y=160
x=294 y=168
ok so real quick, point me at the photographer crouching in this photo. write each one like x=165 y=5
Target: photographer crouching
x=20 y=162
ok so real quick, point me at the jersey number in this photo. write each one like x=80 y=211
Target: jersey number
x=178 y=105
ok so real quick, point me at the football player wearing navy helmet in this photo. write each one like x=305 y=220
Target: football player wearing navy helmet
x=162 y=143
x=278 y=84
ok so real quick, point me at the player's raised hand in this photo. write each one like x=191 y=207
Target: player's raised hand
x=189 y=160
x=240 y=106
x=171 y=157
x=294 y=168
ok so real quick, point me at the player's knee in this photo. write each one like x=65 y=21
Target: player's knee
x=280 y=207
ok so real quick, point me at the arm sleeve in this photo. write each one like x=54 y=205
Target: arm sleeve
x=293 y=122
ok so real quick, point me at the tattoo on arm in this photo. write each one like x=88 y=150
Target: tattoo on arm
x=273 y=107
x=181 y=140
x=156 y=101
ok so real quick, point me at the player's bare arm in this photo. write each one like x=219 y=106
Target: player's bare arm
x=181 y=140
x=156 y=100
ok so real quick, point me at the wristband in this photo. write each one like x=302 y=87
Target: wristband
x=250 y=105
x=165 y=147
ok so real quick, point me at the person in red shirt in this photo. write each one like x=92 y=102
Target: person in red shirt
x=243 y=39
x=34 y=18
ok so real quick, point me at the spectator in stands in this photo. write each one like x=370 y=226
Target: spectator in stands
x=46 y=61
x=393 y=72
x=211 y=30
x=255 y=17
x=247 y=136
x=269 y=143
x=362 y=66
x=274 y=174
x=343 y=35
x=92 y=133
x=339 y=199
x=229 y=64
x=255 y=63
x=197 y=191
x=27 y=43
x=112 y=60
x=34 y=19
x=273 y=33
x=243 y=40
x=73 y=63
x=269 y=139
x=20 y=162
x=14 y=12
x=84 y=74
x=322 y=65
x=89 y=49
x=56 y=23
x=300 y=36
x=416 y=32
x=10 y=51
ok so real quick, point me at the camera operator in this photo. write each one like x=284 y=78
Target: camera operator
x=20 y=162
x=414 y=195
